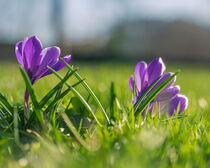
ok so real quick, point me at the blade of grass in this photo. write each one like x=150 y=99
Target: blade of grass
x=154 y=93
x=74 y=131
x=4 y=102
x=83 y=109
x=49 y=95
x=59 y=96
x=113 y=104
x=176 y=117
x=16 y=130
x=5 y=118
x=57 y=99
x=52 y=109
x=78 y=95
x=46 y=98
x=88 y=89
x=67 y=107
x=32 y=95
x=9 y=127
x=74 y=85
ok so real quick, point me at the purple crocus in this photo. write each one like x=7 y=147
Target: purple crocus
x=35 y=60
x=168 y=98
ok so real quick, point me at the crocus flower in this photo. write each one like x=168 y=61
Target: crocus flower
x=168 y=98
x=35 y=60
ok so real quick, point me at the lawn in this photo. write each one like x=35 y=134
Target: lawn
x=158 y=141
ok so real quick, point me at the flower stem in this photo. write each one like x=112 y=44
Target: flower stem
x=26 y=108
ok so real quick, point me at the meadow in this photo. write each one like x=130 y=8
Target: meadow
x=158 y=141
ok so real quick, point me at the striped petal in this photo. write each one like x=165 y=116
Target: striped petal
x=168 y=94
x=154 y=70
x=31 y=53
x=139 y=75
x=18 y=51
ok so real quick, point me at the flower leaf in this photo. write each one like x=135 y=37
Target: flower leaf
x=138 y=102
x=149 y=98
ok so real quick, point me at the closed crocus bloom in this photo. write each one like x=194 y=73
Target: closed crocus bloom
x=145 y=75
x=35 y=60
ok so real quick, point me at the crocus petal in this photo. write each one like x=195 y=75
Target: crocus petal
x=139 y=75
x=59 y=65
x=168 y=94
x=179 y=99
x=131 y=81
x=154 y=70
x=18 y=51
x=49 y=56
x=31 y=53
x=24 y=43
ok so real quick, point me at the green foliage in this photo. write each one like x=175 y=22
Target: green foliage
x=7 y=106
x=76 y=93
x=88 y=89
x=152 y=141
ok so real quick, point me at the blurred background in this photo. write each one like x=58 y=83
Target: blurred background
x=98 y=30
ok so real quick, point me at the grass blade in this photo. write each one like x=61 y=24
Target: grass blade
x=57 y=99
x=175 y=117
x=154 y=93
x=16 y=130
x=74 y=131
x=78 y=95
x=113 y=104
x=88 y=89
x=4 y=102
x=53 y=103
x=9 y=127
x=54 y=90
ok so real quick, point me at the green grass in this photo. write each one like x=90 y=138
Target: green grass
x=158 y=142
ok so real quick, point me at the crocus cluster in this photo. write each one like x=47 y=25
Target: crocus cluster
x=35 y=60
x=168 y=99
